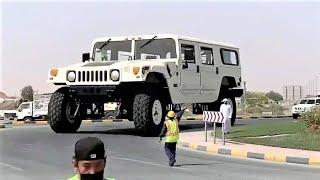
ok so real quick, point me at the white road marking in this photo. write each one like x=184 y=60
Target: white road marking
x=11 y=166
x=148 y=163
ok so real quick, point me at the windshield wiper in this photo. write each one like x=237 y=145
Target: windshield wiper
x=104 y=44
x=152 y=39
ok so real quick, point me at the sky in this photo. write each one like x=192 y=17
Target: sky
x=279 y=41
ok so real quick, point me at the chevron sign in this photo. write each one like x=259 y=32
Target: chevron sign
x=213 y=116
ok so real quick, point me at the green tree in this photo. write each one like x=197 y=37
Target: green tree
x=274 y=96
x=256 y=99
x=27 y=93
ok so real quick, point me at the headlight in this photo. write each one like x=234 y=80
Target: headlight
x=71 y=76
x=115 y=75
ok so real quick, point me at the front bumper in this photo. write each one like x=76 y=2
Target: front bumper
x=100 y=93
x=236 y=92
x=93 y=90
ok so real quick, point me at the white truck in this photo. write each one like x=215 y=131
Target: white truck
x=304 y=105
x=148 y=75
x=36 y=109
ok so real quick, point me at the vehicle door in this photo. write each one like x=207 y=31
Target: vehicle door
x=209 y=75
x=24 y=110
x=190 y=69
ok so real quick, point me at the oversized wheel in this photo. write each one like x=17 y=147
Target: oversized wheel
x=148 y=113
x=61 y=110
x=295 y=116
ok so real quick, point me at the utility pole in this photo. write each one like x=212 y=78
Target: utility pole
x=244 y=97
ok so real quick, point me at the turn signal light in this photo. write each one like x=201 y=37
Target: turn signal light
x=54 y=72
x=135 y=70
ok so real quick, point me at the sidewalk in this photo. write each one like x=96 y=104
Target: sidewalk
x=196 y=140
x=199 y=117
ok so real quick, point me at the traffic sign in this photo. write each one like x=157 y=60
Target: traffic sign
x=213 y=116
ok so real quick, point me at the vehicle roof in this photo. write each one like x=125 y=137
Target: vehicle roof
x=120 y=38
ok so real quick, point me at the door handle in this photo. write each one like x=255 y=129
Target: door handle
x=198 y=69
x=217 y=70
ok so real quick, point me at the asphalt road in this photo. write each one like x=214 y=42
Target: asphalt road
x=35 y=152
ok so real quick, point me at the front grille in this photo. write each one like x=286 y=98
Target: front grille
x=92 y=76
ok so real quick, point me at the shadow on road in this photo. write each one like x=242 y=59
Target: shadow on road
x=184 y=127
x=196 y=164
x=193 y=127
x=125 y=131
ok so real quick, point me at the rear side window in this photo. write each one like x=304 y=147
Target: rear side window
x=311 y=102
x=229 y=57
x=318 y=101
x=206 y=55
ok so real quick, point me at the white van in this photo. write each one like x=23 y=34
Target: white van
x=304 y=105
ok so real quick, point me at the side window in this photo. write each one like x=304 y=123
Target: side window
x=25 y=106
x=311 y=101
x=229 y=57
x=318 y=101
x=187 y=53
x=206 y=56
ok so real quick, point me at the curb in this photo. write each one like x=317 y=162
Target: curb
x=242 y=153
x=21 y=123
x=96 y=121
x=249 y=117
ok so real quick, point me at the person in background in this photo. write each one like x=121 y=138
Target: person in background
x=226 y=110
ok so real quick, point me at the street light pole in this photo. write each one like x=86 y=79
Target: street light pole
x=244 y=97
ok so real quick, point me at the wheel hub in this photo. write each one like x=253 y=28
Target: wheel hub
x=69 y=113
x=156 y=112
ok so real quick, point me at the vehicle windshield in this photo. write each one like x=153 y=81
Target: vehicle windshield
x=155 y=49
x=112 y=51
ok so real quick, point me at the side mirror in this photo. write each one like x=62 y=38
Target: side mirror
x=85 y=57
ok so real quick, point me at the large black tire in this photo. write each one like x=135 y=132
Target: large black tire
x=295 y=116
x=150 y=124
x=59 y=113
x=234 y=110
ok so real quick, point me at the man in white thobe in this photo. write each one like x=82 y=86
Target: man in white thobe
x=226 y=111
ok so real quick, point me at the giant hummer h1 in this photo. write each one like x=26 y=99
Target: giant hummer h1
x=148 y=75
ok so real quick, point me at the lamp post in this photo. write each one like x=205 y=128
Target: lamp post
x=244 y=97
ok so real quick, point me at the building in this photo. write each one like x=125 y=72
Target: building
x=292 y=92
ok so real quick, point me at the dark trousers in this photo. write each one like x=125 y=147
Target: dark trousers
x=170 y=149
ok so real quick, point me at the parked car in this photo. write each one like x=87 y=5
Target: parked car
x=304 y=105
